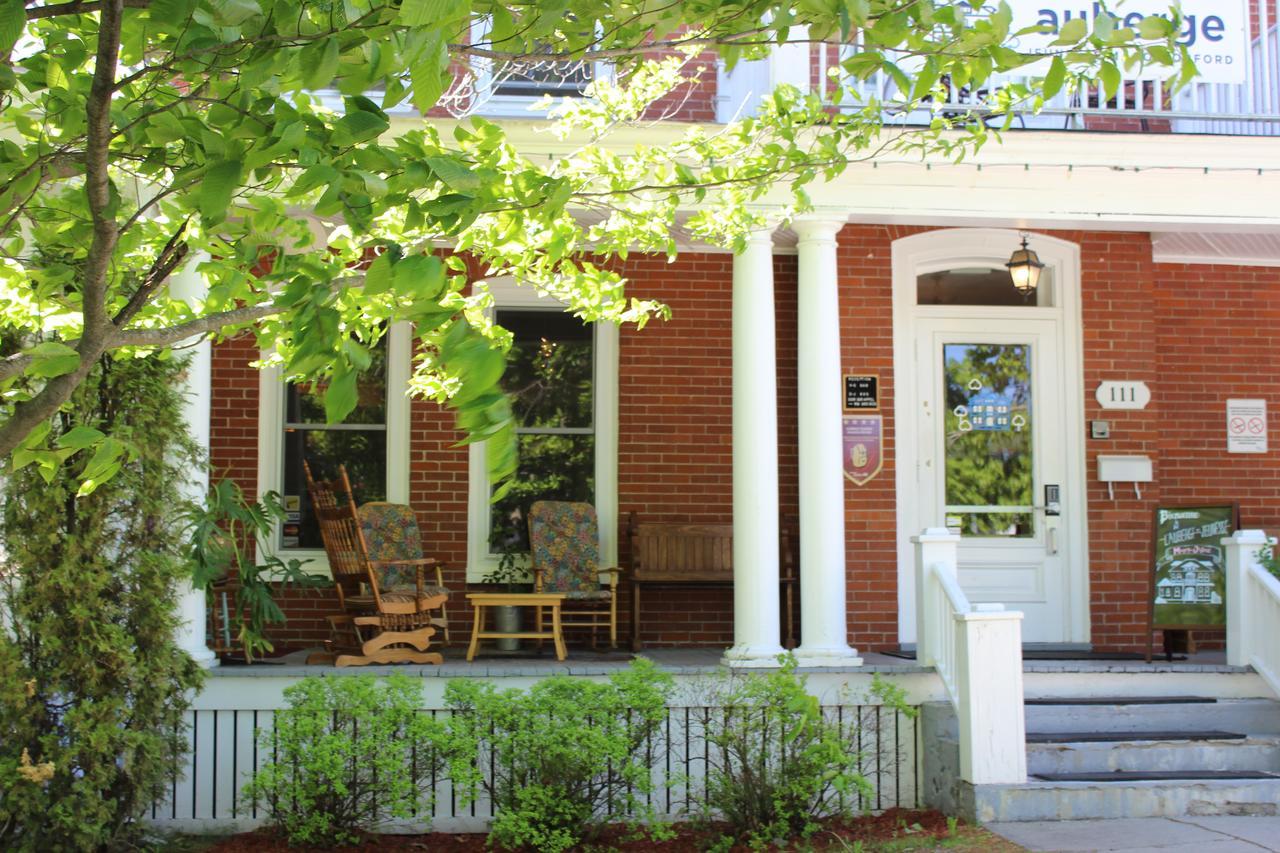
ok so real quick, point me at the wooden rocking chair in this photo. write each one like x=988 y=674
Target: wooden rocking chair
x=397 y=627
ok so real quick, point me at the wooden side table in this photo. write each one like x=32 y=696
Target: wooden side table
x=482 y=600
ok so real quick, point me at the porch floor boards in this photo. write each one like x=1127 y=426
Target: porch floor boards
x=677 y=661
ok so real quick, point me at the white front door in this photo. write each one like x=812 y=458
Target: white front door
x=988 y=409
x=991 y=442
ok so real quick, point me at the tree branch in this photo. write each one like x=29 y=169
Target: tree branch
x=173 y=254
x=93 y=341
x=78 y=7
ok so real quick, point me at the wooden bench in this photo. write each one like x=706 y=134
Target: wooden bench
x=695 y=555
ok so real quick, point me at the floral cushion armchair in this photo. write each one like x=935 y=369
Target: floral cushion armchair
x=564 y=540
x=395 y=545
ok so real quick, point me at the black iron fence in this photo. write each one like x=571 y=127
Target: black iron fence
x=226 y=749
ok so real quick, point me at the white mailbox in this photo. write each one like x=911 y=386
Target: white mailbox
x=1124 y=469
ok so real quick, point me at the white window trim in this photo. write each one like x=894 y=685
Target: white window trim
x=507 y=294
x=271 y=400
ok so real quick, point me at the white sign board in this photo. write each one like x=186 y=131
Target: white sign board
x=1123 y=395
x=1215 y=31
x=1246 y=426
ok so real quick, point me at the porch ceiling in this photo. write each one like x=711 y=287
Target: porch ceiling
x=1262 y=250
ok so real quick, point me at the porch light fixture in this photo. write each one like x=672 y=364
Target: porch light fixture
x=1024 y=268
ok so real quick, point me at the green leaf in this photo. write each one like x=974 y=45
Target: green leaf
x=430 y=73
x=460 y=178
x=55 y=77
x=1155 y=27
x=1054 y=79
x=102 y=466
x=1072 y=31
x=434 y=13
x=1110 y=75
x=80 y=437
x=377 y=278
x=420 y=276
x=233 y=12
x=13 y=19
x=221 y=180
x=359 y=126
x=51 y=359
x=341 y=396
x=321 y=61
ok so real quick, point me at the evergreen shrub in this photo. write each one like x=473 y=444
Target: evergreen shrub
x=93 y=686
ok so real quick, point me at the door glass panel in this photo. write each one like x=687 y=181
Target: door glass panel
x=989 y=479
x=981 y=286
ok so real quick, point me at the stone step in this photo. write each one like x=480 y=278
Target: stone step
x=1120 y=737
x=1260 y=753
x=1156 y=776
x=1122 y=700
x=1042 y=800
x=1250 y=716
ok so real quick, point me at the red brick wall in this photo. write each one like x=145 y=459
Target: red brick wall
x=675 y=431
x=866 y=340
x=1119 y=343
x=1218 y=337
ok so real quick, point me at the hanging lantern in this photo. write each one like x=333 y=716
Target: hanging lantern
x=1024 y=268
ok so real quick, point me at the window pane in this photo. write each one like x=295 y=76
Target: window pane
x=364 y=452
x=988 y=439
x=562 y=79
x=552 y=467
x=980 y=286
x=549 y=369
x=304 y=402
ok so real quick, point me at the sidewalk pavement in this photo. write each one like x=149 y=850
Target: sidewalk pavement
x=1187 y=834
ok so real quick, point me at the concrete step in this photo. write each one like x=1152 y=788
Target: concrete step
x=1039 y=800
x=1248 y=716
x=1260 y=752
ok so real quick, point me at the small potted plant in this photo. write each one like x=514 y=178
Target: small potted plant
x=511 y=572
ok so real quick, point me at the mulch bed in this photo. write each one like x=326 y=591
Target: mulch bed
x=901 y=829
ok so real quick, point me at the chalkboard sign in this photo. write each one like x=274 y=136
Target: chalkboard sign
x=1189 y=579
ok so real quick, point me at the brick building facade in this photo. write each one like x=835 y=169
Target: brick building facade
x=1195 y=334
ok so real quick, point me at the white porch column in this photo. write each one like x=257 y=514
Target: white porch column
x=755 y=458
x=823 y=609
x=187 y=284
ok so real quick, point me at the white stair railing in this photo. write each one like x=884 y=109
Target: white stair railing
x=1253 y=607
x=977 y=652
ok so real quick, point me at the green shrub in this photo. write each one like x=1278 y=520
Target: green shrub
x=93 y=687
x=776 y=765
x=349 y=754
x=566 y=755
x=1269 y=559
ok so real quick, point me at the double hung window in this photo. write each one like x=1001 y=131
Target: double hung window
x=562 y=377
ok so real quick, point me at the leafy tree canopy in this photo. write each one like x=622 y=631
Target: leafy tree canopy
x=143 y=135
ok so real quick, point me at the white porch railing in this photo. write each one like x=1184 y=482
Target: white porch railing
x=1253 y=607
x=977 y=652
x=1251 y=108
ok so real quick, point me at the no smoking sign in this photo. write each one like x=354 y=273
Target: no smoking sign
x=1246 y=426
